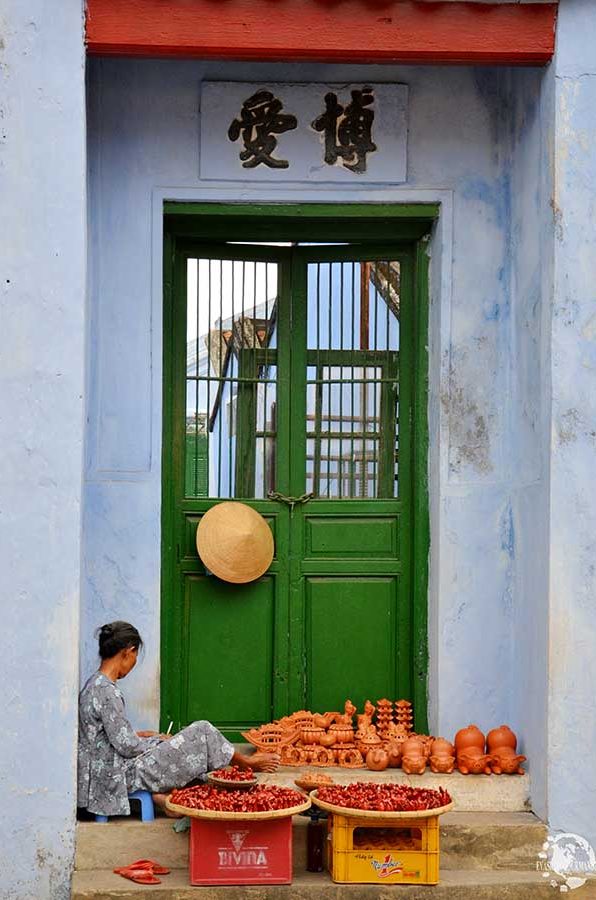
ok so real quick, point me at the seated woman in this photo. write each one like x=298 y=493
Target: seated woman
x=114 y=760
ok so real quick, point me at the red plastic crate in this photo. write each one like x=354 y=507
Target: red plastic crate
x=227 y=852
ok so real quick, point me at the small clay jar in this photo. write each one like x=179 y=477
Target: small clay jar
x=311 y=735
x=414 y=764
x=441 y=747
x=502 y=736
x=469 y=737
x=369 y=741
x=343 y=734
x=442 y=764
x=377 y=759
x=394 y=753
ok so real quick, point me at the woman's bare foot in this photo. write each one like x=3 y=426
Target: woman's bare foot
x=160 y=801
x=263 y=762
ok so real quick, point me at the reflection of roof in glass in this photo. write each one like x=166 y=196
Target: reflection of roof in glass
x=222 y=333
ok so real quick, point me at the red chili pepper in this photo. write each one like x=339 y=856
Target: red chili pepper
x=261 y=798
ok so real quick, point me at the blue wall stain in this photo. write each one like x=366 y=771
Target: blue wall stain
x=507 y=531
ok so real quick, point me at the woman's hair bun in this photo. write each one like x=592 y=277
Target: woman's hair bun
x=116 y=636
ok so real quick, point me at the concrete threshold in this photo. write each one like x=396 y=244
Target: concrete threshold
x=460 y=884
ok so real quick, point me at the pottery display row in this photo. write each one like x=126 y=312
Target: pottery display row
x=493 y=754
x=330 y=738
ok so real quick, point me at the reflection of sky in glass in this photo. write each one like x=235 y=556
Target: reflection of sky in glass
x=230 y=283
x=334 y=310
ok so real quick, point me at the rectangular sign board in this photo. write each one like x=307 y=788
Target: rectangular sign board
x=341 y=133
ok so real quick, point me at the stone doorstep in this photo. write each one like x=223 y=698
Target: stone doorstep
x=457 y=884
x=468 y=840
x=481 y=793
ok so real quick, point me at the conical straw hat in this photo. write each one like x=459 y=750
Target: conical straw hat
x=235 y=542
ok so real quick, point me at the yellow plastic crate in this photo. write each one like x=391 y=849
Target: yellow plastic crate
x=373 y=851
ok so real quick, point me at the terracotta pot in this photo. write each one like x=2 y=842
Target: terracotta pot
x=377 y=759
x=469 y=737
x=502 y=736
x=441 y=747
x=327 y=739
x=343 y=734
x=414 y=764
x=470 y=764
x=442 y=764
x=311 y=735
x=394 y=753
x=413 y=746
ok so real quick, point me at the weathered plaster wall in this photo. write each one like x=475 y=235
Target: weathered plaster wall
x=572 y=649
x=42 y=306
x=144 y=142
x=529 y=413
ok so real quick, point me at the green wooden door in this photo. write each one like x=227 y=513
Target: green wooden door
x=289 y=378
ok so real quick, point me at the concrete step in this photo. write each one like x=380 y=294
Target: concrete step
x=470 y=793
x=468 y=840
x=456 y=884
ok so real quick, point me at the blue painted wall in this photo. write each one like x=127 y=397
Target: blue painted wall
x=572 y=648
x=475 y=144
x=42 y=310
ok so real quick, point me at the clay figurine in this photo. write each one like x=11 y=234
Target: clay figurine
x=394 y=753
x=473 y=761
x=364 y=720
x=442 y=764
x=504 y=760
x=441 y=747
x=325 y=720
x=500 y=737
x=469 y=737
x=377 y=759
x=414 y=764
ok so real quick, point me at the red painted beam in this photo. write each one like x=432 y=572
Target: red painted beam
x=325 y=30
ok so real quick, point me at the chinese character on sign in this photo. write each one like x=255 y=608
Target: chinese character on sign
x=348 y=130
x=260 y=119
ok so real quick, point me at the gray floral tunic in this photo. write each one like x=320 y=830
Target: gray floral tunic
x=113 y=761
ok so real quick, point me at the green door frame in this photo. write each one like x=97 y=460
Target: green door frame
x=359 y=223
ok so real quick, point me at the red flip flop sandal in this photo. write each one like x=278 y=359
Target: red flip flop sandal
x=139 y=876
x=147 y=864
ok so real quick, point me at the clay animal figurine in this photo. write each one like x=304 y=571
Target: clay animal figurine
x=364 y=720
x=324 y=720
x=441 y=747
x=413 y=746
x=469 y=737
x=502 y=736
x=415 y=764
x=473 y=761
x=442 y=764
x=394 y=753
x=348 y=714
x=377 y=759
x=504 y=760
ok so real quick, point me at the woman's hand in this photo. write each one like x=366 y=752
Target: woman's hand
x=263 y=762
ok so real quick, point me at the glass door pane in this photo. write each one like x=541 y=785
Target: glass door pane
x=352 y=405
x=231 y=378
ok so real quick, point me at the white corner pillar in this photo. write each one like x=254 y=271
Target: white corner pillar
x=572 y=614
x=42 y=337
